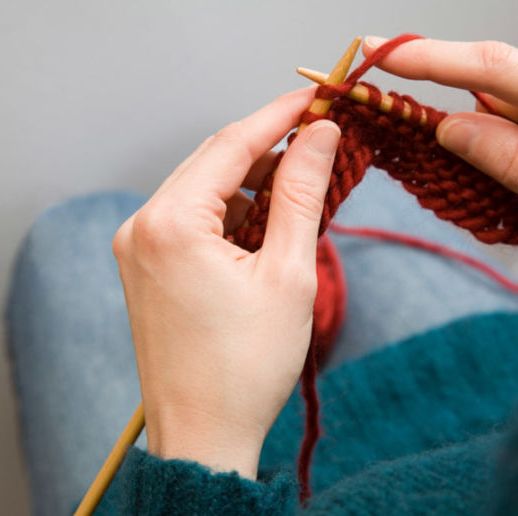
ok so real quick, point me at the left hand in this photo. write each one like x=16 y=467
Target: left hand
x=488 y=142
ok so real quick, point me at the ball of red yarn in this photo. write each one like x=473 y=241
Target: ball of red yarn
x=331 y=300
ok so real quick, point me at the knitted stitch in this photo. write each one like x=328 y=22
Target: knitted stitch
x=151 y=486
x=408 y=150
x=455 y=190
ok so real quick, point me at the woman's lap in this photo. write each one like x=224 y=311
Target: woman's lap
x=70 y=343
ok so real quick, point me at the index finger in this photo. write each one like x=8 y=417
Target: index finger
x=488 y=66
x=223 y=164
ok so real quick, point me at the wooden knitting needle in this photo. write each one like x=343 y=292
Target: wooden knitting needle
x=360 y=93
x=337 y=76
x=111 y=464
x=136 y=424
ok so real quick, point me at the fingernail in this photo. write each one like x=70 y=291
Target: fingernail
x=457 y=135
x=374 y=41
x=324 y=138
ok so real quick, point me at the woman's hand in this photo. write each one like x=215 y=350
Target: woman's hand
x=221 y=334
x=488 y=142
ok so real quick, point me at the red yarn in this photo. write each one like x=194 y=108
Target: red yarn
x=425 y=245
x=312 y=427
x=378 y=55
x=331 y=299
x=330 y=308
x=409 y=152
x=328 y=315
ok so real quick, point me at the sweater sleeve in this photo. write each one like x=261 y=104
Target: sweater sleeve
x=147 y=485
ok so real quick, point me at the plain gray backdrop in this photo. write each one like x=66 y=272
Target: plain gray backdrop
x=113 y=94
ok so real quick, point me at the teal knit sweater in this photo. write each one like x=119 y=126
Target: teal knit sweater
x=420 y=427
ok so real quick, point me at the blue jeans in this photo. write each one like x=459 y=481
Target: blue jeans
x=70 y=343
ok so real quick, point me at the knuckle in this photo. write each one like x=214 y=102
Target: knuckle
x=509 y=163
x=282 y=97
x=120 y=241
x=301 y=281
x=231 y=136
x=494 y=55
x=304 y=196
x=308 y=285
x=147 y=228
x=231 y=131
x=153 y=230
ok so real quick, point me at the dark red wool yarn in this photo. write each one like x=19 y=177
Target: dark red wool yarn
x=408 y=152
x=331 y=300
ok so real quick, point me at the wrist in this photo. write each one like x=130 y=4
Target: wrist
x=220 y=444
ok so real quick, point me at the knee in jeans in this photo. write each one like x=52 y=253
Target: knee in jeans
x=67 y=239
x=71 y=224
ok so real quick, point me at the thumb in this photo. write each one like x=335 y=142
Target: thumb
x=299 y=188
x=488 y=142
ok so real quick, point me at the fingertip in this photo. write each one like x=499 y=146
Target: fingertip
x=325 y=122
x=323 y=137
x=305 y=91
x=456 y=133
x=371 y=43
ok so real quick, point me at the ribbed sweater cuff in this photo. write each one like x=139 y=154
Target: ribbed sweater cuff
x=149 y=485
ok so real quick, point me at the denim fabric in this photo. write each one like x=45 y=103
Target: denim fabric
x=396 y=291
x=70 y=343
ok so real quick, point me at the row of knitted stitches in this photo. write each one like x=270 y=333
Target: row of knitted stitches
x=408 y=150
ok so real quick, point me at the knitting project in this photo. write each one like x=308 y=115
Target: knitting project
x=409 y=152
x=455 y=190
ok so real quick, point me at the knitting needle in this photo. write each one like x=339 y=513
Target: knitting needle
x=136 y=423
x=337 y=76
x=321 y=106
x=360 y=93
x=111 y=464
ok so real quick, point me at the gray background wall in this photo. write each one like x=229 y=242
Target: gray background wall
x=113 y=94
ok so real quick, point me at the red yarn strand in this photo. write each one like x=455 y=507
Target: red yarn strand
x=426 y=245
x=379 y=54
x=330 y=309
x=312 y=426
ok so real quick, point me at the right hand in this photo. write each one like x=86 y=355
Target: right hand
x=221 y=334
x=488 y=142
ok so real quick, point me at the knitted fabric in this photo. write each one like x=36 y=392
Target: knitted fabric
x=408 y=150
x=151 y=486
x=410 y=153
x=415 y=428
